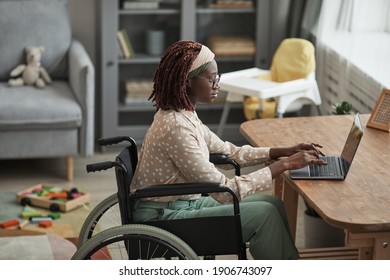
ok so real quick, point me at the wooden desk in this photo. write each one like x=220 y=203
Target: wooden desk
x=360 y=204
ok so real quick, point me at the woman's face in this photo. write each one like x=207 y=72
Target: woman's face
x=204 y=87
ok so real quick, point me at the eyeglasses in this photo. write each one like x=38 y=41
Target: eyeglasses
x=214 y=81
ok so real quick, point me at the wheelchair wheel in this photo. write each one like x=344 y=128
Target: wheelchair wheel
x=104 y=216
x=135 y=241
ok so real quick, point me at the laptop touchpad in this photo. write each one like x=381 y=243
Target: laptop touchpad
x=302 y=172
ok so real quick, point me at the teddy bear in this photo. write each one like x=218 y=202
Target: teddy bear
x=32 y=73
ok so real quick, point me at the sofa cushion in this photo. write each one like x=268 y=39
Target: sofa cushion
x=31 y=108
x=34 y=23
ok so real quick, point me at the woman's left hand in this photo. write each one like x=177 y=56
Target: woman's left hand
x=304 y=147
x=289 y=151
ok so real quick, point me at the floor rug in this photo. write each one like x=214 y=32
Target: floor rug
x=9 y=209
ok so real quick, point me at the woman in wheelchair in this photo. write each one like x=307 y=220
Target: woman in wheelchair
x=177 y=146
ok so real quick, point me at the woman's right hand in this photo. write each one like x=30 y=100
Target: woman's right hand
x=296 y=161
x=302 y=159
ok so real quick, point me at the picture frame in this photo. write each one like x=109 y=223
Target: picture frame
x=380 y=116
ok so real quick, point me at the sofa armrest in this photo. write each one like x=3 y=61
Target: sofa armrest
x=82 y=83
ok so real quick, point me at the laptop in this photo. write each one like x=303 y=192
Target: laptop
x=337 y=166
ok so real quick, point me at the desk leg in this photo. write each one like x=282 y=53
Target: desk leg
x=222 y=121
x=290 y=199
x=320 y=111
x=372 y=245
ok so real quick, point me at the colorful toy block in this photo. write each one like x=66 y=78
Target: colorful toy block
x=10 y=223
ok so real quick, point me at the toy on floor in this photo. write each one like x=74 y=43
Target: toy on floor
x=10 y=223
x=51 y=197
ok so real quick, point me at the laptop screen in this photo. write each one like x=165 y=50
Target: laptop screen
x=352 y=143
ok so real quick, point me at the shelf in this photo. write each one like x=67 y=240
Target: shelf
x=224 y=11
x=147 y=106
x=144 y=58
x=186 y=20
x=234 y=58
x=136 y=107
x=140 y=59
x=149 y=12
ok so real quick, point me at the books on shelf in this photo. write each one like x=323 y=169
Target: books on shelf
x=141 y=4
x=125 y=44
x=127 y=41
x=232 y=45
x=137 y=91
x=122 y=44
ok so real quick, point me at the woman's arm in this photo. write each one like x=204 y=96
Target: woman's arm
x=244 y=155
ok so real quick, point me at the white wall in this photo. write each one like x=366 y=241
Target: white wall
x=83 y=16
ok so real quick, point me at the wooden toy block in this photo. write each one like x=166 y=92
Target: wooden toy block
x=23 y=224
x=27 y=215
x=10 y=223
x=54 y=215
x=58 y=195
x=40 y=219
x=64 y=230
x=45 y=224
x=52 y=197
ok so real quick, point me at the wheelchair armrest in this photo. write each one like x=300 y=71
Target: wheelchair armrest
x=223 y=159
x=115 y=140
x=185 y=189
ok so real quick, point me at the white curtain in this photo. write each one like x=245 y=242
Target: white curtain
x=388 y=20
x=363 y=16
x=354 y=16
x=352 y=43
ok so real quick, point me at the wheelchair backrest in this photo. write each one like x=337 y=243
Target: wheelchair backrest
x=128 y=157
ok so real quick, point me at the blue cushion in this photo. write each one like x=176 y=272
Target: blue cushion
x=32 y=108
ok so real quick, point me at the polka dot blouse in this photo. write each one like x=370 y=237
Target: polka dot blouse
x=176 y=149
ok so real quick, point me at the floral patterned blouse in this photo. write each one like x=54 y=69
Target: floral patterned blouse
x=176 y=149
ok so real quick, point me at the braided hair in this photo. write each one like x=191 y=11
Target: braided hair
x=170 y=79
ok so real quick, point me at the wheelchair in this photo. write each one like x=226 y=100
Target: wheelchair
x=110 y=233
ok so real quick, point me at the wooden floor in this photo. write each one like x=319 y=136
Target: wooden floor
x=17 y=175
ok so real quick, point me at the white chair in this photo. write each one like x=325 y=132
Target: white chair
x=290 y=80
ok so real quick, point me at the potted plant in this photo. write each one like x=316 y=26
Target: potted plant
x=343 y=108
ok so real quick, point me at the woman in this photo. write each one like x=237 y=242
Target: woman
x=176 y=149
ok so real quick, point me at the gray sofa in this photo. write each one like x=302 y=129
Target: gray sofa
x=57 y=121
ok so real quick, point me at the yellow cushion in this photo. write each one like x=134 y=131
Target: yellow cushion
x=294 y=59
x=252 y=104
x=252 y=107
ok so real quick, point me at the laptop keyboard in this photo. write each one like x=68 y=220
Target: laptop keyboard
x=331 y=169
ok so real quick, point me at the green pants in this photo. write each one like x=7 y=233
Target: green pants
x=263 y=221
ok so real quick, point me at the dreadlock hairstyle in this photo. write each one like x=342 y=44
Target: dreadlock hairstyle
x=170 y=80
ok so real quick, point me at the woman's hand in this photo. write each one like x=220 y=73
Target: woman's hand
x=297 y=160
x=305 y=147
x=289 y=151
x=302 y=159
